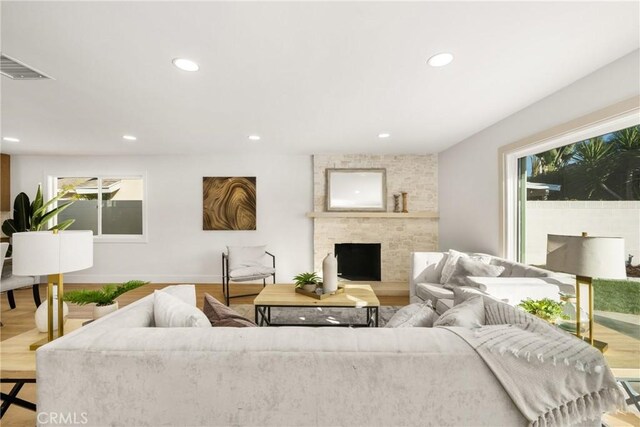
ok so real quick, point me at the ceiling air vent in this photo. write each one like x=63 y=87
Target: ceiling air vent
x=16 y=70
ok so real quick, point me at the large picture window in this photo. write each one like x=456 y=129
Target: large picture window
x=111 y=206
x=582 y=176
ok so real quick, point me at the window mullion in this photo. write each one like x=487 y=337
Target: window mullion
x=99 y=206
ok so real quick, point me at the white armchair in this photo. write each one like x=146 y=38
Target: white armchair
x=245 y=264
x=8 y=283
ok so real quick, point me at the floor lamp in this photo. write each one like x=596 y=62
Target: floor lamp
x=587 y=257
x=52 y=253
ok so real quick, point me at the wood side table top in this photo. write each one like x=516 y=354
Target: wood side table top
x=17 y=361
x=356 y=295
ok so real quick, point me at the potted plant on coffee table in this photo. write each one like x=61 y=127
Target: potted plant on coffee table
x=103 y=298
x=307 y=281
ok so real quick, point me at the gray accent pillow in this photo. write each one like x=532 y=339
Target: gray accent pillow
x=413 y=315
x=469 y=314
x=466 y=267
x=505 y=314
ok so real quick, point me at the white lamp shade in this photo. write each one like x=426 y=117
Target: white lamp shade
x=37 y=253
x=587 y=256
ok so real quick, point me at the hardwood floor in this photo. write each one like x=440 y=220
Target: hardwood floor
x=623 y=351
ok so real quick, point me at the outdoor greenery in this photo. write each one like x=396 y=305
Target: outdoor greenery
x=620 y=296
x=546 y=309
x=302 y=279
x=606 y=167
x=104 y=296
x=34 y=216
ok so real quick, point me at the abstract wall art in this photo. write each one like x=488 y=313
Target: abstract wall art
x=229 y=203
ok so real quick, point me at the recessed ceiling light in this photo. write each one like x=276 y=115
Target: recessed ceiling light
x=10 y=139
x=254 y=137
x=185 y=64
x=129 y=137
x=440 y=59
x=384 y=135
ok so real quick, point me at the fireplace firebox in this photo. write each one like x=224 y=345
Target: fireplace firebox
x=358 y=261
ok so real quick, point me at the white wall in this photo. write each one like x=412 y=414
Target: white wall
x=598 y=218
x=468 y=177
x=178 y=250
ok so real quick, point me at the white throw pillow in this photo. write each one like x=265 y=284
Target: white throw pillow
x=171 y=312
x=469 y=314
x=413 y=315
x=452 y=259
x=245 y=256
x=466 y=267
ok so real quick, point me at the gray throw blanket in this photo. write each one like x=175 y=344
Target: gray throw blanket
x=552 y=377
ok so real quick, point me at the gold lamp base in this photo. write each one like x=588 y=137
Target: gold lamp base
x=600 y=345
x=53 y=279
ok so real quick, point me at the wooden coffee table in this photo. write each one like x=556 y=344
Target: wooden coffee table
x=19 y=364
x=356 y=296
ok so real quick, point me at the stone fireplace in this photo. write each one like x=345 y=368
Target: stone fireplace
x=397 y=234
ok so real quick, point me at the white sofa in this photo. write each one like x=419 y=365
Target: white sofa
x=120 y=371
x=516 y=283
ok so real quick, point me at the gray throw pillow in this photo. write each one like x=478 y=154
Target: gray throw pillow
x=221 y=315
x=413 y=315
x=466 y=267
x=469 y=314
x=505 y=314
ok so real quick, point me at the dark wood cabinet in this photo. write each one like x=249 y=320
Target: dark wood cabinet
x=5 y=182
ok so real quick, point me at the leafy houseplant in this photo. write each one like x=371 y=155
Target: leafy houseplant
x=546 y=309
x=104 y=297
x=34 y=216
x=307 y=281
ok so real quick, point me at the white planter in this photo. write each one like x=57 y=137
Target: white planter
x=42 y=311
x=309 y=288
x=330 y=274
x=100 y=311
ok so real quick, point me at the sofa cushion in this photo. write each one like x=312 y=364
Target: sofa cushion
x=469 y=314
x=413 y=315
x=244 y=274
x=171 y=312
x=443 y=305
x=452 y=261
x=466 y=267
x=221 y=315
x=513 y=290
x=432 y=292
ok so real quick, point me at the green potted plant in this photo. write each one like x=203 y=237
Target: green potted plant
x=34 y=216
x=104 y=298
x=307 y=281
x=546 y=309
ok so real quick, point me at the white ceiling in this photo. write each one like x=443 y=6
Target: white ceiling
x=306 y=77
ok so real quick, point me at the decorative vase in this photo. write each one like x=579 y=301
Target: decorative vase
x=42 y=311
x=405 y=203
x=569 y=310
x=330 y=274
x=100 y=311
x=396 y=203
x=310 y=287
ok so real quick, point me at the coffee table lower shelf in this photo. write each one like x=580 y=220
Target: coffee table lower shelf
x=263 y=316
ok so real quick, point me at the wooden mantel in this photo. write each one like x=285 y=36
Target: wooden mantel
x=394 y=215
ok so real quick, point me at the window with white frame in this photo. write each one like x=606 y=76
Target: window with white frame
x=111 y=206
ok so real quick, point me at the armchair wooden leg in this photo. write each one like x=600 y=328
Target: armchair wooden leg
x=36 y=294
x=12 y=300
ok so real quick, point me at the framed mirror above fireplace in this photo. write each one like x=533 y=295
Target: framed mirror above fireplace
x=356 y=190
